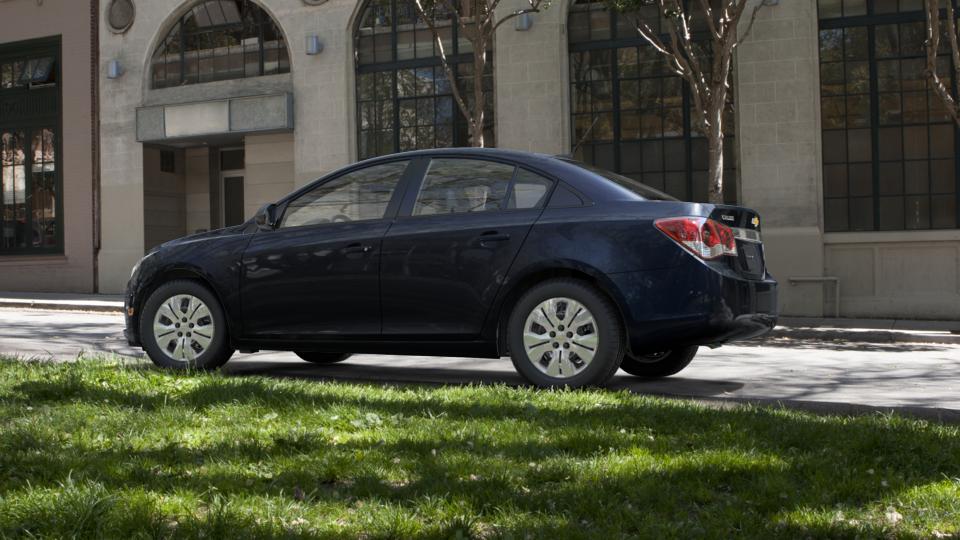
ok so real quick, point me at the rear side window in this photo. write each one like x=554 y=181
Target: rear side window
x=454 y=186
x=529 y=190
x=356 y=196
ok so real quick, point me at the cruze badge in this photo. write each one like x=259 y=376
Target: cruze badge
x=728 y=218
x=755 y=221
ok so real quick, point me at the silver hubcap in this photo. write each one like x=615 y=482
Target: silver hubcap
x=183 y=327
x=561 y=337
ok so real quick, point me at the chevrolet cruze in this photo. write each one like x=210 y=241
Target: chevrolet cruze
x=571 y=271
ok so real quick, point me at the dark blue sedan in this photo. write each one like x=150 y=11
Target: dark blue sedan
x=572 y=271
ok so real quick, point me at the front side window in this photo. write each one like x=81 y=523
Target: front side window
x=218 y=40
x=630 y=113
x=356 y=196
x=889 y=145
x=454 y=186
x=404 y=98
x=30 y=187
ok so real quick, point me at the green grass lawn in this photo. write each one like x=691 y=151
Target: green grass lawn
x=107 y=449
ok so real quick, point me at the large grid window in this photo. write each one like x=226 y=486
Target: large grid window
x=404 y=99
x=630 y=113
x=218 y=40
x=30 y=186
x=889 y=145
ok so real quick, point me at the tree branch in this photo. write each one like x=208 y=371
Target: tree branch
x=451 y=77
x=933 y=48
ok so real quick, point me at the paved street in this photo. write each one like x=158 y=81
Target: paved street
x=811 y=373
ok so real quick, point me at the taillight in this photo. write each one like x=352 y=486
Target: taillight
x=705 y=238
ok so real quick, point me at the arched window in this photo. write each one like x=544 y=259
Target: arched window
x=404 y=100
x=218 y=40
x=630 y=114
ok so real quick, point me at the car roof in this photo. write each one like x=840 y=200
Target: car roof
x=592 y=185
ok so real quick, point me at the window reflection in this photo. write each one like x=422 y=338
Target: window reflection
x=356 y=196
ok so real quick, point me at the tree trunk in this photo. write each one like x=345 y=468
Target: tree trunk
x=715 y=151
x=476 y=122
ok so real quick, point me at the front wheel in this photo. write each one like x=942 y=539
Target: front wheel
x=182 y=326
x=565 y=333
x=661 y=364
x=322 y=357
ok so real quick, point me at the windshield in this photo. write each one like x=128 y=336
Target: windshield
x=634 y=186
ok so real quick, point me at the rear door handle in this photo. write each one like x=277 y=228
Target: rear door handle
x=357 y=248
x=490 y=237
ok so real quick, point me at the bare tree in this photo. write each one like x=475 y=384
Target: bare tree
x=704 y=64
x=932 y=44
x=477 y=22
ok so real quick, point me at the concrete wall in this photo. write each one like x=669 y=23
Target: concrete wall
x=902 y=275
x=72 y=271
x=164 y=197
x=532 y=104
x=270 y=170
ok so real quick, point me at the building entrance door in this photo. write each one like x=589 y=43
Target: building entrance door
x=231 y=186
x=232 y=199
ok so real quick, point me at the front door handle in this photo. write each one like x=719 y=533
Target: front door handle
x=357 y=248
x=490 y=237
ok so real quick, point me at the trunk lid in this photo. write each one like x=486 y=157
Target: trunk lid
x=746 y=227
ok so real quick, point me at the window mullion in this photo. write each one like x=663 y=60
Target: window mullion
x=874 y=123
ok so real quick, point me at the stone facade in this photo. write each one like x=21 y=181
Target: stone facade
x=778 y=145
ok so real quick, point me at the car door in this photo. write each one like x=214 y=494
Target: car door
x=316 y=275
x=453 y=243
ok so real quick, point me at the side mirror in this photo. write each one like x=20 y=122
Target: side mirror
x=266 y=217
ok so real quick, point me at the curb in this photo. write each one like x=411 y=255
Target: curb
x=856 y=335
x=98 y=307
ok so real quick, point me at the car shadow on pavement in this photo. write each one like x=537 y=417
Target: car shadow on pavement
x=354 y=371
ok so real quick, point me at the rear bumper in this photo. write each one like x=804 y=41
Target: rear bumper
x=694 y=305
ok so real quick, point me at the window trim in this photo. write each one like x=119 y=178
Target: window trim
x=51 y=46
x=871 y=21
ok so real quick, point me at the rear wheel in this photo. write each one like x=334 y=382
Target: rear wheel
x=322 y=357
x=661 y=364
x=565 y=333
x=183 y=327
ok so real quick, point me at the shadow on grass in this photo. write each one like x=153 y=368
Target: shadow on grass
x=567 y=466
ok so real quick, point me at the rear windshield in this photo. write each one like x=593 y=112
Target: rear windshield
x=631 y=185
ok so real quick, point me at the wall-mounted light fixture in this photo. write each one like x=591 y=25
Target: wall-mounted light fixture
x=314 y=46
x=114 y=69
x=524 y=22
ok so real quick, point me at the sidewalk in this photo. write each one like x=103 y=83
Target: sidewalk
x=789 y=328
x=63 y=301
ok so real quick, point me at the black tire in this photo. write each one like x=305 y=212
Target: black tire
x=610 y=348
x=322 y=357
x=661 y=364
x=216 y=353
